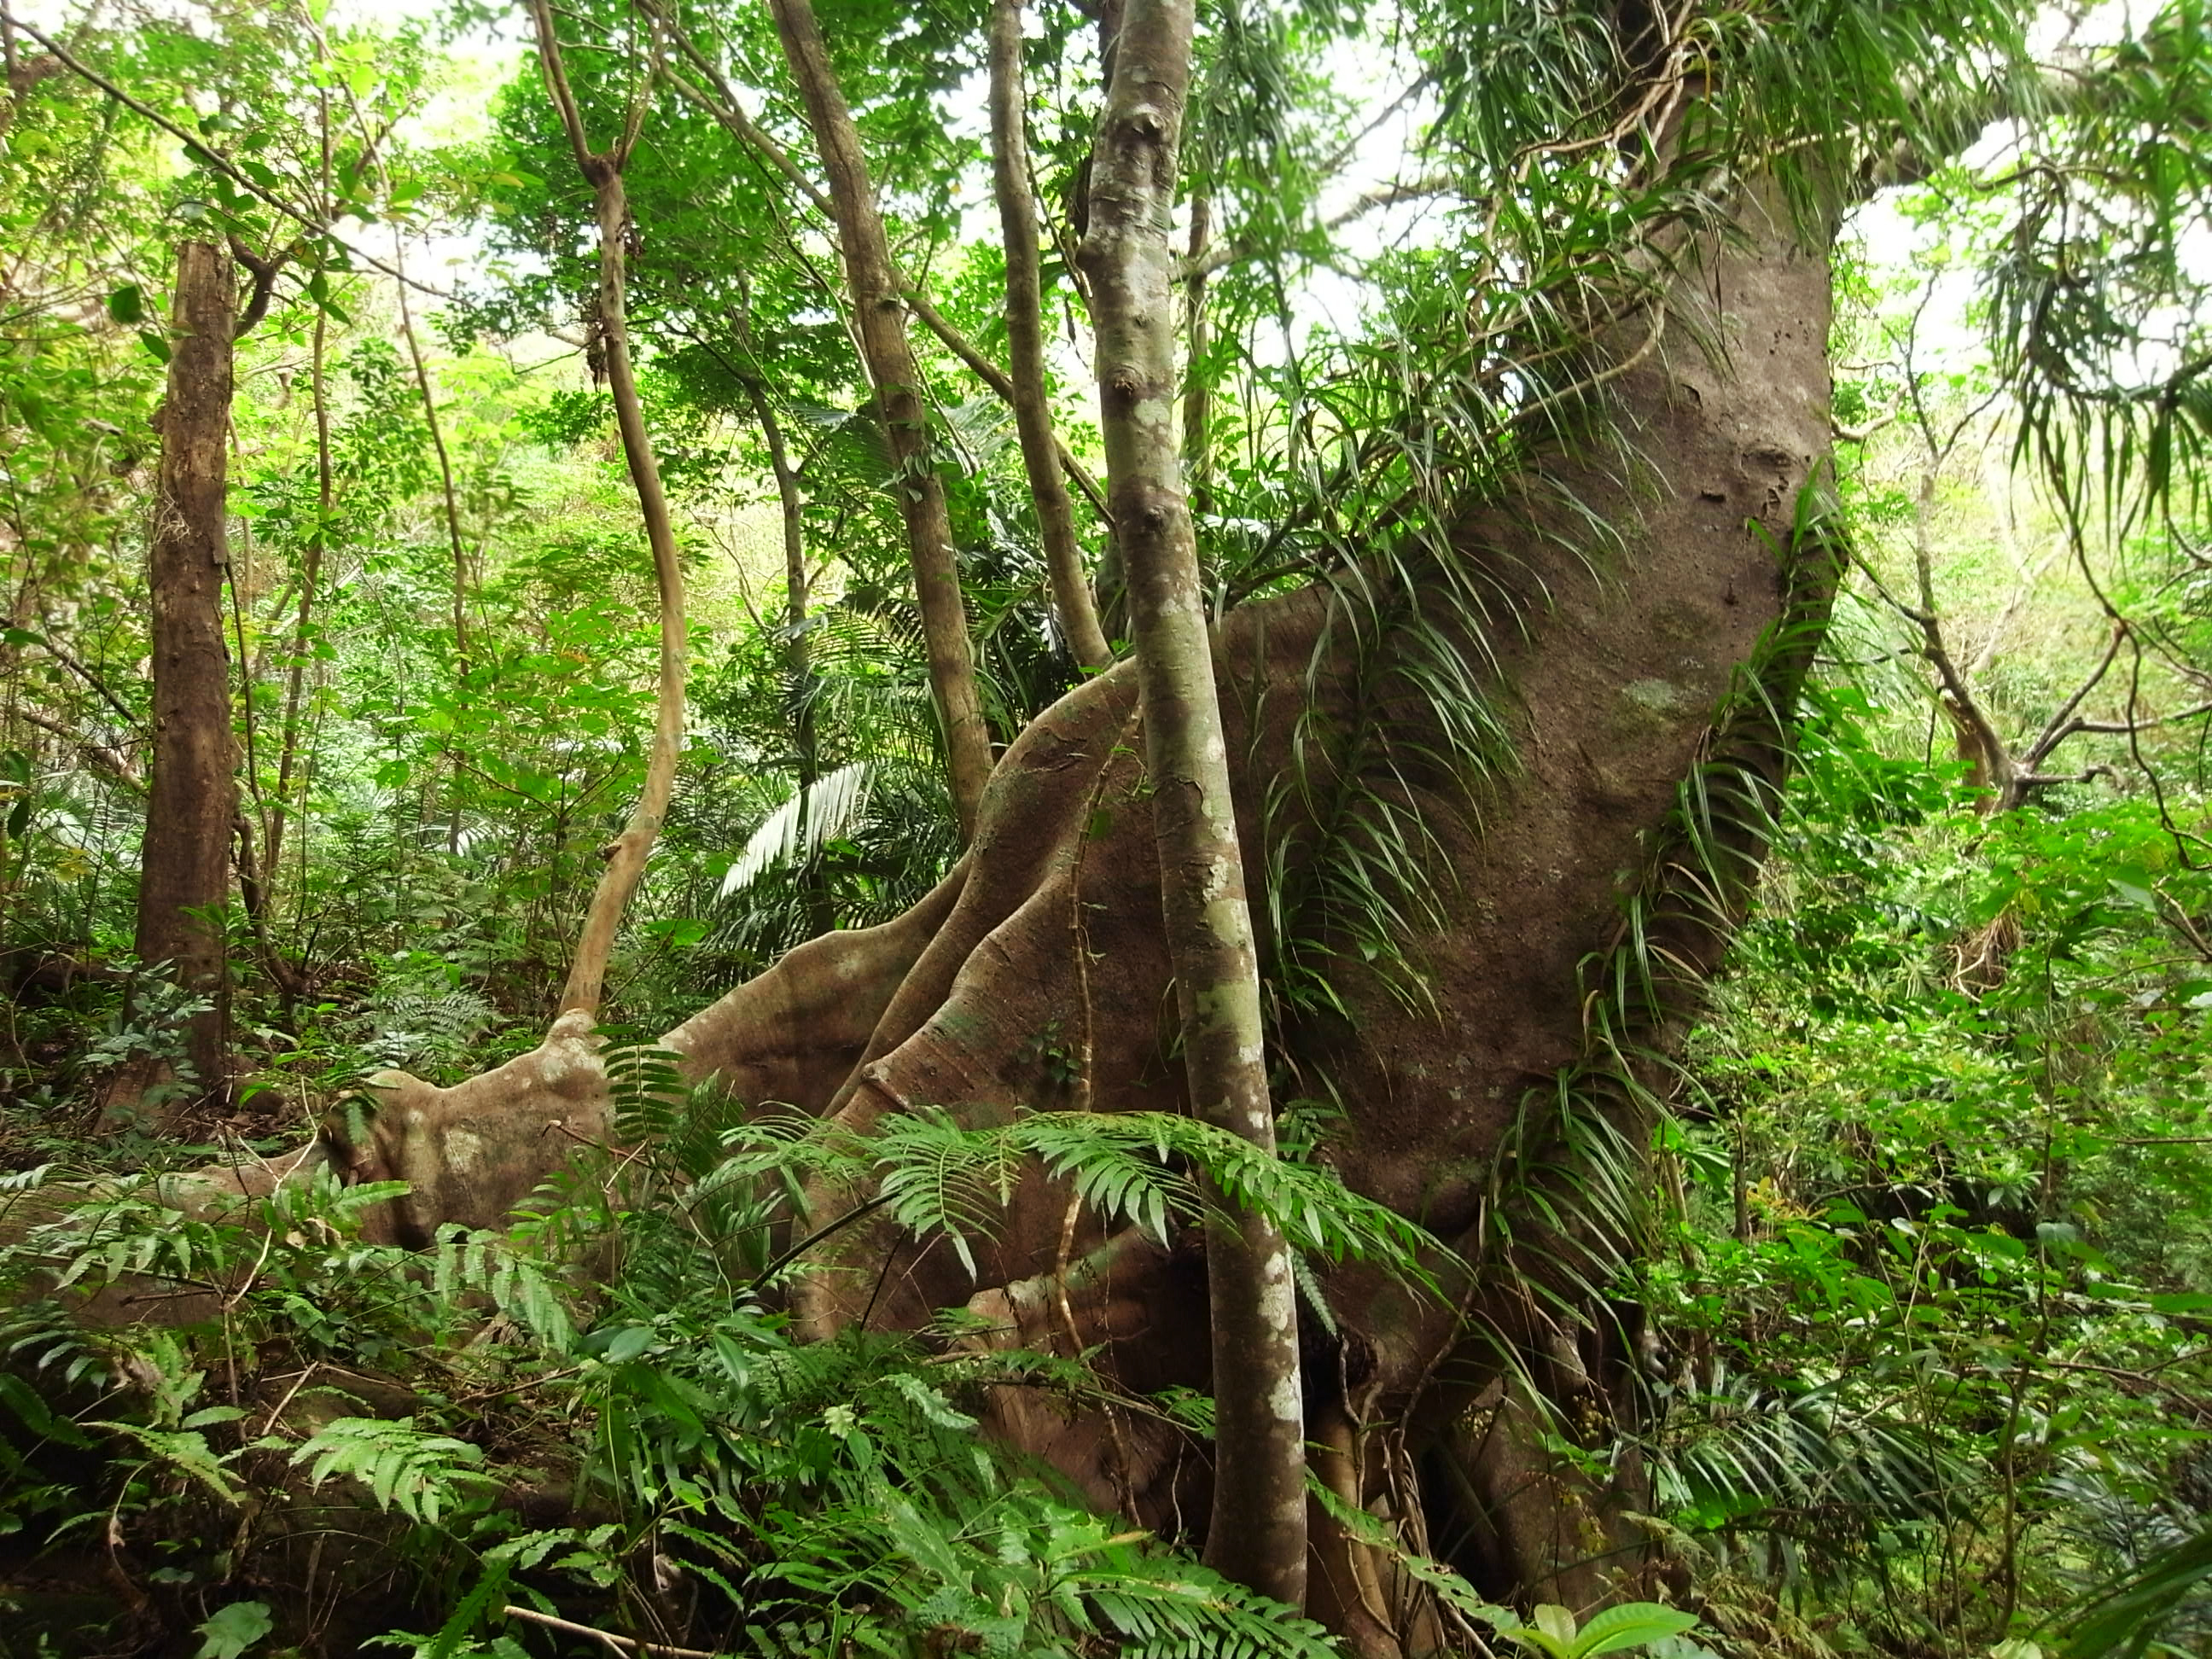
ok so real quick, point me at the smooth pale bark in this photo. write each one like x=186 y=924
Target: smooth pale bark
x=184 y=863
x=717 y=102
x=1010 y=178
x=627 y=854
x=880 y=312
x=1258 y=1531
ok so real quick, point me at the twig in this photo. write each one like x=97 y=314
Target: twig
x=507 y=1388
x=619 y=1644
x=1373 y=201
x=813 y=1238
x=107 y=759
x=299 y=1383
x=146 y=112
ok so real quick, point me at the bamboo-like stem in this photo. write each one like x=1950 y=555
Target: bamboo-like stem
x=626 y=855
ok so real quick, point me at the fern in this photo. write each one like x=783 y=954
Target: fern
x=1138 y=1168
x=518 y=1283
x=824 y=810
x=422 y=1475
x=185 y=1450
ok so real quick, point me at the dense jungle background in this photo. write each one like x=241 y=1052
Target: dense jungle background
x=427 y=433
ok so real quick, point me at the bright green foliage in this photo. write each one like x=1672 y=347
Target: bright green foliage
x=1141 y=1168
x=404 y=1469
x=1936 y=1290
x=814 y=1493
x=1918 y=1292
x=1551 y=1630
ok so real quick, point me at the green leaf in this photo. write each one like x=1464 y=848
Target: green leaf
x=155 y=345
x=1554 y=1620
x=2182 y=1302
x=127 y=305
x=234 y=1629
x=1631 y=1624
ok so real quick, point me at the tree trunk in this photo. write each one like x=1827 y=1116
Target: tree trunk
x=1664 y=602
x=627 y=854
x=798 y=650
x=881 y=314
x=1009 y=177
x=185 y=871
x=1258 y=1532
x=1198 y=388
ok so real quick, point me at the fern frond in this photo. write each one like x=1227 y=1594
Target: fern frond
x=422 y=1475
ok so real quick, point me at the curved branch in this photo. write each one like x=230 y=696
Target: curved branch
x=627 y=855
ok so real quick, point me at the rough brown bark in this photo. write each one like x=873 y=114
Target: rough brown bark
x=881 y=314
x=1010 y=178
x=626 y=856
x=1258 y=1534
x=185 y=866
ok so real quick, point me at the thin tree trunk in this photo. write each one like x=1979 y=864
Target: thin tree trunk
x=184 y=870
x=1258 y=1531
x=627 y=854
x=288 y=742
x=1197 y=390
x=717 y=102
x=798 y=650
x=1010 y=174
x=449 y=497
x=881 y=314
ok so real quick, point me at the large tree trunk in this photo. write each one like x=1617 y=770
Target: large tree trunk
x=185 y=871
x=1662 y=600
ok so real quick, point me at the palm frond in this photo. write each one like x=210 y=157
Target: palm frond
x=824 y=810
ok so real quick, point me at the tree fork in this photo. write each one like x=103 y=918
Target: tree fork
x=881 y=314
x=603 y=171
x=1257 y=1535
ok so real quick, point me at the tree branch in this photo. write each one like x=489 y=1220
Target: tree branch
x=221 y=163
x=1374 y=201
x=107 y=759
x=625 y=865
